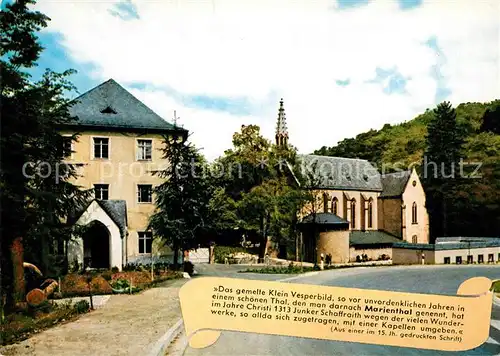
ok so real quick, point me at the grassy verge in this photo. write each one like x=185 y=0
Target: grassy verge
x=76 y=285
x=280 y=270
x=295 y=269
x=24 y=323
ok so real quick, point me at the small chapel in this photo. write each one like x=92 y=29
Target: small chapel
x=359 y=212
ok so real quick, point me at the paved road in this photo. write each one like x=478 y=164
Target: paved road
x=418 y=279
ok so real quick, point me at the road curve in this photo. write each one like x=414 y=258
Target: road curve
x=418 y=279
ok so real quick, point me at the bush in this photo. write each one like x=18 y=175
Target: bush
x=74 y=285
x=290 y=269
x=223 y=252
x=115 y=270
x=82 y=306
x=123 y=286
x=107 y=275
x=496 y=286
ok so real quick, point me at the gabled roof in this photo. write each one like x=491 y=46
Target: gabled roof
x=110 y=106
x=116 y=210
x=394 y=184
x=340 y=173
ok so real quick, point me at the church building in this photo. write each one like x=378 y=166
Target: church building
x=364 y=211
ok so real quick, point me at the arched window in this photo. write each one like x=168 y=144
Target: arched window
x=414 y=239
x=353 y=213
x=325 y=203
x=335 y=203
x=370 y=213
x=414 y=213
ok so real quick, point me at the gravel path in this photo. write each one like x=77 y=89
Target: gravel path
x=126 y=325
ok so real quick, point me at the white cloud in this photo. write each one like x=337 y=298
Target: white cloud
x=294 y=49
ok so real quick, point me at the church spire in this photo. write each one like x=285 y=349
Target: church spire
x=281 y=129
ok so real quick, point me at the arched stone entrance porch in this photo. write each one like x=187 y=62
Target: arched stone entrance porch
x=101 y=245
x=96 y=246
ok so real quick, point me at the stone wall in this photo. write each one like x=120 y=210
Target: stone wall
x=335 y=243
x=390 y=211
x=412 y=256
x=372 y=253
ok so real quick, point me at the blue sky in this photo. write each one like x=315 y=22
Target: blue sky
x=404 y=4
x=397 y=58
x=56 y=58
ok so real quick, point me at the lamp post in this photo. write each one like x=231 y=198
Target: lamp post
x=89 y=282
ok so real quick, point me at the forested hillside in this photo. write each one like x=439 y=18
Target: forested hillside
x=475 y=210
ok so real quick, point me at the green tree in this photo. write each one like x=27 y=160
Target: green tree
x=441 y=165
x=36 y=196
x=491 y=118
x=182 y=200
x=310 y=180
x=263 y=193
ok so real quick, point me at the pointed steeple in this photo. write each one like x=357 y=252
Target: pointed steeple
x=281 y=129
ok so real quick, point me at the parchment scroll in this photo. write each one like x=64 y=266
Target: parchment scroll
x=425 y=321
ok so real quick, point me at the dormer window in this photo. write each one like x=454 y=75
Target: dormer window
x=108 y=110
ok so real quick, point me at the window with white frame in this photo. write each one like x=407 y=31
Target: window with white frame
x=145 y=241
x=144 y=150
x=101 y=147
x=144 y=193
x=101 y=191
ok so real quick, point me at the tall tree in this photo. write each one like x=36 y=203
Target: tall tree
x=182 y=200
x=441 y=166
x=311 y=178
x=36 y=195
x=263 y=191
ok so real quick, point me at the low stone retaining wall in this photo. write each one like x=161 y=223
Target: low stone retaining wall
x=98 y=300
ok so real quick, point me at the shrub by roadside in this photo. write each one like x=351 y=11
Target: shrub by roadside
x=496 y=287
x=297 y=269
x=76 y=285
x=290 y=269
x=223 y=252
x=22 y=324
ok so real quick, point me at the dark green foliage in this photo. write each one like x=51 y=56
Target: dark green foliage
x=441 y=174
x=36 y=196
x=290 y=269
x=82 y=306
x=491 y=119
x=474 y=208
x=188 y=268
x=223 y=252
x=264 y=199
x=182 y=200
